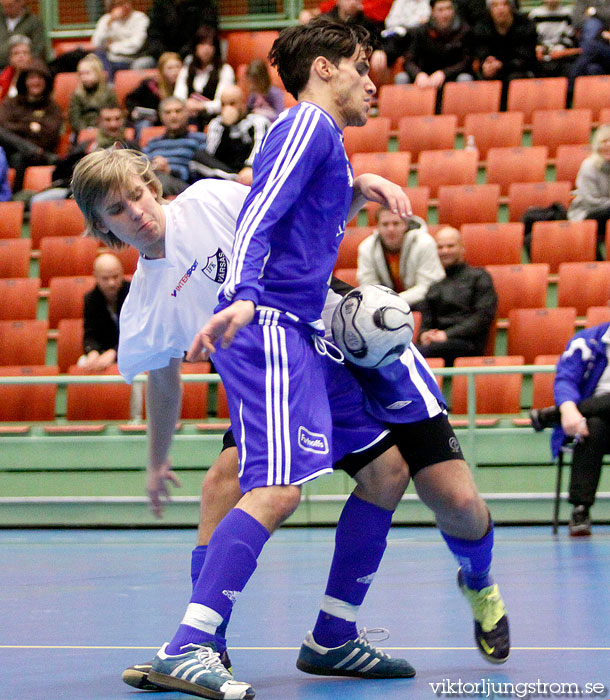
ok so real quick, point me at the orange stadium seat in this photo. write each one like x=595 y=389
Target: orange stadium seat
x=371 y=137
x=57 y=217
x=495 y=393
x=466 y=98
x=150 y=132
x=604 y=116
x=493 y=243
x=38 y=177
x=418 y=196
x=556 y=127
x=222 y=405
x=463 y=204
x=69 y=342
x=66 y=256
x=398 y=101
x=569 y=158
x=66 y=297
x=583 y=284
x=523 y=164
x=533 y=332
x=194 y=394
x=243 y=46
x=63 y=87
x=128 y=257
x=28 y=402
x=527 y=95
x=23 y=342
x=522 y=195
x=87 y=402
x=19 y=298
x=392 y=165
x=592 y=92
x=519 y=286
x=11 y=219
x=127 y=80
x=347 y=275
x=437 y=168
x=15 y=257
x=554 y=242
x=426 y=133
x=494 y=130
x=542 y=384
x=597 y=315
x=348 y=248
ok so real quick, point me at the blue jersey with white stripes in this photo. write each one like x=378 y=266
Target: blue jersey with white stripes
x=291 y=224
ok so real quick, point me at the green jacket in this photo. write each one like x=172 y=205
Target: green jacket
x=30 y=26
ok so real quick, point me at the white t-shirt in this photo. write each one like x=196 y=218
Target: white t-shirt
x=171 y=298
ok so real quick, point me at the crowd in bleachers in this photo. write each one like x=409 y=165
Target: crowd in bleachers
x=474 y=154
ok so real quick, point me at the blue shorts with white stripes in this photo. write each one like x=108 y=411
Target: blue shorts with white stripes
x=278 y=399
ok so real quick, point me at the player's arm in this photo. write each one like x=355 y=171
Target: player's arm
x=374 y=188
x=163 y=401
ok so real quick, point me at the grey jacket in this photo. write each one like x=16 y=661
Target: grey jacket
x=419 y=262
x=592 y=189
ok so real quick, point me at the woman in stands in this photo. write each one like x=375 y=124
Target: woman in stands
x=90 y=94
x=203 y=77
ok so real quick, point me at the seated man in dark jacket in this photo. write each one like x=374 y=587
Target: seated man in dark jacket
x=440 y=48
x=102 y=309
x=458 y=311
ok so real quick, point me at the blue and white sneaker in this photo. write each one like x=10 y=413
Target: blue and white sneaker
x=137 y=675
x=355 y=658
x=198 y=671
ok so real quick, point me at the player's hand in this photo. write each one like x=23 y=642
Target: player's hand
x=157 y=486
x=221 y=327
x=572 y=420
x=377 y=189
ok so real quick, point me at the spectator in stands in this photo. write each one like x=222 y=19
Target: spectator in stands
x=5 y=186
x=101 y=316
x=582 y=412
x=471 y=11
x=440 y=49
x=374 y=9
x=263 y=97
x=555 y=36
x=111 y=130
x=142 y=104
x=90 y=94
x=504 y=44
x=31 y=122
x=457 y=311
x=119 y=36
x=15 y=18
x=173 y=23
x=594 y=30
x=203 y=77
x=172 y=152
x=400 y=255
x=592 y=200
x=589 y=18
x=20 y=57
x=232 y=140
x=350 y=12
x=404 y=16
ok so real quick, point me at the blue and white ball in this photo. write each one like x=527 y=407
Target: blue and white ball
x=372 y=325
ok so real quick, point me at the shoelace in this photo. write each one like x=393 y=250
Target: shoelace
x=209 y=659
x=325 y=347
x=383 y=633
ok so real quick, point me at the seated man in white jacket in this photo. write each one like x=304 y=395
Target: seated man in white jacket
x=400 y=255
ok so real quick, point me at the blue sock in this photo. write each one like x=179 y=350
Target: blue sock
x=229 y=562
x=360 y=542
x=474 y=558
x=197 y=561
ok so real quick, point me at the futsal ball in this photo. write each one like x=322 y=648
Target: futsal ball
x=372 y=325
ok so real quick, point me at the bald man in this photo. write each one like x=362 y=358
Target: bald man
x=232 y=140
x=457 y=311
x=102 y=309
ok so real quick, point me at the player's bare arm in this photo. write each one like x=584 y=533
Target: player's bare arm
x=374 y=188
x=222 y=328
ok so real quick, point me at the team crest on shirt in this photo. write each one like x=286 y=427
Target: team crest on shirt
x=216 y=267
x=312 y=442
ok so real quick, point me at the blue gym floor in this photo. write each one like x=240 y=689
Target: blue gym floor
x=79 y=606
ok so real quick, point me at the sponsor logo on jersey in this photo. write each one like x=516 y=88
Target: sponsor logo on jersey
x=454 y=445
x=312 y=442
x=231 y=595
x=185 y=278
x=216 y=267
x=398 y=405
